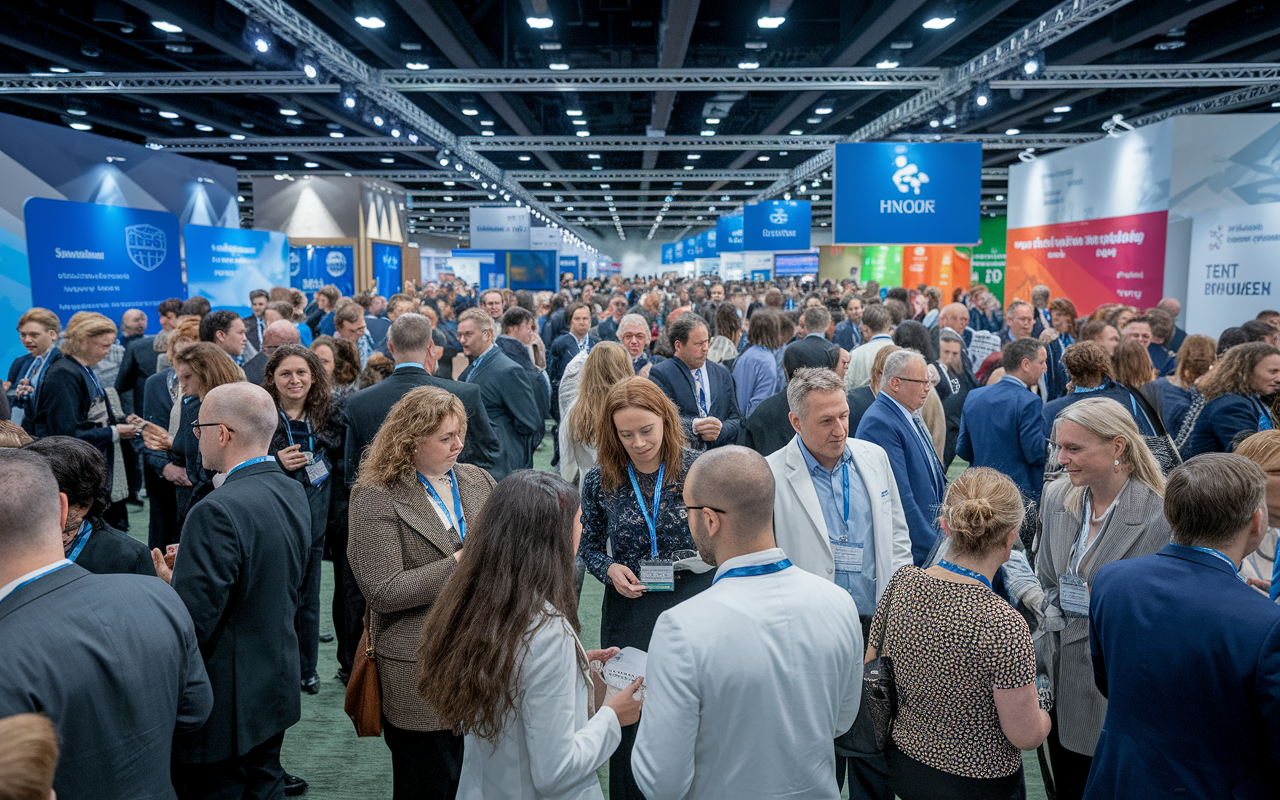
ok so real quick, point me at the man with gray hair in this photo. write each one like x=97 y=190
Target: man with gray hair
x=893 y=421
x=634 y=333
x=239 y=572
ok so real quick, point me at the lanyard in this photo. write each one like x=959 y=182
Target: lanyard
x=650 y=522
x=749 y=572
x=36 y=363
x=409 y=364
x=288 y=431
x=96 y=384
x=249 y=463
x=41 y=575
x=1098 y=388
x=968 y=573
x=82 y=538
x=1217 y=554
x=457 y=502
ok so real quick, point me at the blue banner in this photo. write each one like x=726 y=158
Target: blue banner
x=388 y=267
x=795 y=264
x=571 y=265
x=90 y=257
x=535 y=270
x=710 y=241
x=668 y=254
x=896 y=193
x=313 y=266
x=761 y=275
x=729 y=234
x=777 y=225
x=225 y=264
x=678 y=251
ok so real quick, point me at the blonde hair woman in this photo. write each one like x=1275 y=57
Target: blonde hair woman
x=1110 y=508
x=583 y=391
x=1259 y=567
x=408 y=517
x=29 y=757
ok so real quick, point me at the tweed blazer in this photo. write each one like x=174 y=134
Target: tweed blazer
x=400 y=553
x=1137 y=528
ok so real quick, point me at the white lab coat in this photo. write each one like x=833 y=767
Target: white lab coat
x=548 y=748
x=801 y=529
x=748 y=685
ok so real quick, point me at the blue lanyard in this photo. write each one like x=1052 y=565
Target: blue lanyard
x=96 y=384
x=1264 y=419
x=288 y=431
x=38 y=577
x=651 y=522
x=457 y=502
x=1082 y=390
x=968 y=573
x=1216 y=554
x=82 y=538
x=748 y=572
x=249 y=463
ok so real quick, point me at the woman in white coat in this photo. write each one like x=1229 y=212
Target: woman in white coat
x=500 y=658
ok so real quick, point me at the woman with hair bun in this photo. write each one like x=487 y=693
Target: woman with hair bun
x=963 y=661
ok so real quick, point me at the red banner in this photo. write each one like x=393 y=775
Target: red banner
x=1113 y=260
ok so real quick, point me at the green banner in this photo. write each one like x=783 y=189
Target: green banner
x=987 y=263
x=882 y=264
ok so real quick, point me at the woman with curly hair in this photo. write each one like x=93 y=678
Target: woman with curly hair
x=1232 y=404
x=410 y=509
x=341 y=361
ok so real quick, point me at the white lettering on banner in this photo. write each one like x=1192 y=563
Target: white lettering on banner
x=1056 y=254
x=93 y=276
x=94 y=255
x=908 y=207
x=1115 y=237
x=770 y=234
x=1136 y=294
x=237 y=249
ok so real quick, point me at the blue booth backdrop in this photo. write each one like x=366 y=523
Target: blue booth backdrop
x=777 y=225
x=312 y=266
x=388 y=268
x=225 y=264
x=729 y=234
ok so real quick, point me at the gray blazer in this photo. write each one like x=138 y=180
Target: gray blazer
x=1137 y=528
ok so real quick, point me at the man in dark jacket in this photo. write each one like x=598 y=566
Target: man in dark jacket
x=519 y=330
x=509 y=394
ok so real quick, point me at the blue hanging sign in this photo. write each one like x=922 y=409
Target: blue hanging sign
x=710 y=242
x=777 y=225
x=678 y=249
x=225 y=264
x=388 y=267
x=729 y=234
x=313 y=266
x=668 y=254
x=571 y=265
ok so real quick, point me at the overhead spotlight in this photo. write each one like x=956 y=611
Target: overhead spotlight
x=288 y=112
x=522 y=158
x=769 y=23
x=1033 y=64
x=78 y=112
x=933 y=123
x=336 y=134
x=167 y=27
x=349 y=101
x=762 y=158
x=169 y=114
x=371 y=22
x=261 y=45
x=310 y=164
x=693 y=156
x=237 y=136
x=786 y=196
x=540 y=23
x=1012 y=132
x=549 y=46
x=204 y=128
x=822 y=110
x=938 y=23
x=886 y=64
x=708 y=132
x=486 y=132
x=559 y=65
x=999 y=198
x=458 y=166
x=796 y=132
x=80 y=126
x=982 y=98
x=417 y=65
x=583 y=134
x=593 y=157
x=444 y=162
x=575 y=122
x=59 y=70
x=1116 y=126
x=748 y=65
x=1062 y=109
x=377 y=120
x=310 y=71
x=395 y=133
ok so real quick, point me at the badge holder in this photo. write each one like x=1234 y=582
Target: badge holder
x=848 y=556
x=658 y=575
x=1073 y=595
x=317 y=468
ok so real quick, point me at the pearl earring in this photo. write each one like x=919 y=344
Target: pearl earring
x=1117 y=462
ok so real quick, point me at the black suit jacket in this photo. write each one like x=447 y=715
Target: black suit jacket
x=63 y=401
x=367 y=408
x=19 y=368
x=239 y=572
x=139 y=363
x=860 y=400
x=113 y=661
x=251 y=331
x=513 y=408
x=108 y=550
x=676 y=381
x=768 y=429
x=811 y=351
x=255 y=368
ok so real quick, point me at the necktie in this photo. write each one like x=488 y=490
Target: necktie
x=702 y=393
x=926 y=441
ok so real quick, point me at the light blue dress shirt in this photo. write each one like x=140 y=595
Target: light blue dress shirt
x=829 y=485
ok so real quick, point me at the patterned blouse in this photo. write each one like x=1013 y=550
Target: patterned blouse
x=951 y=645
x=615 y=516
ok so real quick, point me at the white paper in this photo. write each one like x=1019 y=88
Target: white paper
x=624 y=668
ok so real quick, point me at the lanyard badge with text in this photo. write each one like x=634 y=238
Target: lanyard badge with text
x=658 y=575
x=1073 y=590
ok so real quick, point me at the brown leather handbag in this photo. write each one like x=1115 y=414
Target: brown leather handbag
x=364 y=695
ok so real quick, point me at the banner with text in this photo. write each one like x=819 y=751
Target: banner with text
x=225 y=264
x=668 y=254
x=90 y=257
x=777 y=225
x=388 y=268
x=569 y=264
x=1233 y=274
x=729 y=234
x=499 y=228
x=987 y=265
x=312 y=266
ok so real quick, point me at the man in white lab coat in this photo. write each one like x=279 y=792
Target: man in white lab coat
x=750 y=681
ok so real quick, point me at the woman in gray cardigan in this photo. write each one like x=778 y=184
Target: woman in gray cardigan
x=1111 y=508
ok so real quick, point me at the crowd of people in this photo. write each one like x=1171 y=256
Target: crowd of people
x=765 y=477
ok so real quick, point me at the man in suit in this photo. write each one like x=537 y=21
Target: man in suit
x=894 y=423
x=1186 y=653
x=1019 y=322
x=112 y=660
x=38 y=330
x=956 y=383
x=607 y=330
x=727 y=714
x=375 y=324
x=813 y=347
x=415 y=348
x=1174 y=308
x=1040 y=295
x=254 y=324
x=849 y=332
x=568 y=345
x=876 y=325
x=225 y=329
x=519 y=332
x=277 y=333
x=508 y=393
x=702 y=390
x=1002 y=425
x=238 y=571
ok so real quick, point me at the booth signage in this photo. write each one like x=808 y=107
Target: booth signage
x=314 y=266
x=388 y=268
x=729 y=232
x=668 y=253
x=500 y=228
x=777 y=225
x=569 y=264
x=1233 y=273
x=225 y=264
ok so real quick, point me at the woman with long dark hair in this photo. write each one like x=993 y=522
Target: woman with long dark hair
x=500 y=659
x=1231 y=394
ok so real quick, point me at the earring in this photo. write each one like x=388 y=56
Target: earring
x=1117 y=462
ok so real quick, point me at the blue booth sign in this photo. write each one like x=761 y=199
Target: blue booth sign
x=729 y=233
x=709 y=243
x=777 y=225
x=313 y=266
x=570 y=265
x=90 y=257
x=388 y=267
x=897 y=193
x=225 y=264
x=678 y=249
x=668 y=253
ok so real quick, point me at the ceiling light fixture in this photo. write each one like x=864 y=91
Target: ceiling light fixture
x=261 y=45
x=756 y=45
x=486 y=122
x=579 y=122
x=1062 y=109
x=486 y=132
x=204 y=128
x=81 y=126
x=559 y=65
x=169 y=114
x=592 y=156
x=310 y=164
x=769 y=23
x=762 y=158
x=748 y=65
x=886 y=64
x=417 y=65
x=237 y=136
x=59 y=70
x=796 y=132
x=167 y=27
x=377 y=120
x=522 y=158
x=573 y=112
x=1012 y=132
x=707 y=133
x=549 y=46
x=310 y=71
x=371 y=22
x=693 y=156
x=77 y=112
x=583 y=134
x=938 y=23
x=823 y=110
x=540 y=23
x=289 y=112
x=349 y=102
x=336 y=134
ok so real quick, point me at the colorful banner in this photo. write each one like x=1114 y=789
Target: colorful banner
x=729 y=234
x=388 y=269
x=1114 y=260
x=1233 y=274
x=777 y=225
x=796 y=265
x=225 y=264
x=678 y=252
x=313 y=266
x=883 y=265
x=987 y=265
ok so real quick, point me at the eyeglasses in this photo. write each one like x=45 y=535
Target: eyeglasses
x=196 y=426
x=713 y=508
x=910 y=380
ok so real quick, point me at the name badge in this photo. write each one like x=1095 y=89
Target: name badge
x=317 y=468
x=658 y=576
x=1073 y=595
x=848 y=556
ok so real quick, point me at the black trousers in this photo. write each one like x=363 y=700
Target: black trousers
x=307 y=621
x=257 y=774
x=423 y=765
x=1070 y=769
x=868 y=775
x=348 y=601
x=913 y=780
x=163 y=528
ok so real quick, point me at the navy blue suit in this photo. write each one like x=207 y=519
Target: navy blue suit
x=676 y=381
x=921 y=481
x=1218 y=424
x=848 y=335
x=1055 y=375
x=1002 y=427
x=1188 y=658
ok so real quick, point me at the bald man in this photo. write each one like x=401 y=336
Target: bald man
x=239 y=570
x=769 y=653
x=277 y=333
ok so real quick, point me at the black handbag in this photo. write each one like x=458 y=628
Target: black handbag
x=879 y=706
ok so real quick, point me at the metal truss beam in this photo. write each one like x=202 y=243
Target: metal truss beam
x=650 y=175
x=167 y=83
x=395 y=176
x=650 y=80
x=274 y=144
x=996 y=141
x=638 y=143
x=1146 y=76
x=1220 y=102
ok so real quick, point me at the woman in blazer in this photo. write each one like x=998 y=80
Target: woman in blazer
x=521 y=692
x=1231 y=399
x=1111 y=508
x=408 y=516
x=581 y=398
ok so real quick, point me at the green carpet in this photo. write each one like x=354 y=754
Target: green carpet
x=323 y=747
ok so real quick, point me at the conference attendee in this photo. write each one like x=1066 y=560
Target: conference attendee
x=520 y=342
x=30 y=757
x=13 y=435
x=38 y=330
x=635 y=526
x=876 y=327
x=141 y=359
x=200 y=368
x=633 y=332
x=509 y=396
x=349 y=324
x=238 y=571
x=410 y=510
x=607 y=329
x=702 y=390
x=81 y=472
x=724 y=345
x=893 y=421
x=535 y=724
x=1172 y=394
x=1232 y=403
x=1108 y=509
x=1133 y=364
x=849 y=332
x=567 y=345
x=225 y=329
x=308 y=443
x=1162 y=331
x=273 y=337
x=1058 y=336
x=1186 y=653
x=1002 y=426
x=717 y=661
x=1173 y=308
x=1040 y=295
x=195 y=307
x=254 y=324
x=755 y=372
x=1259 y=567
x=1019 y=322
x=161 y=475
x=1091 y=374
x=320 y=319
x=133 y=326
x=812 y=347
x=967 y=698
x=112 y=660
x=375 y=324
x=1102 y=333
x=491 y=303
x=341 y=362
x=605 y=367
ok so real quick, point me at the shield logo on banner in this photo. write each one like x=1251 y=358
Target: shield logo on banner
x=295 y=262
x=146 y=246
x=778 y=216
x=335 y=263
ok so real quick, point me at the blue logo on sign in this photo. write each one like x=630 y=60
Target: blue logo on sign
x=146 y=246
x=295 y=263
x=335 y=263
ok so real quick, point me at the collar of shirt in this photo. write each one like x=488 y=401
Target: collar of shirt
x=409 y=364
x=911 y=418
x=882 y=336
x=769 y=556
x=1015 y=381
x=8 y=588
x=811 y=335
x=812 y=463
